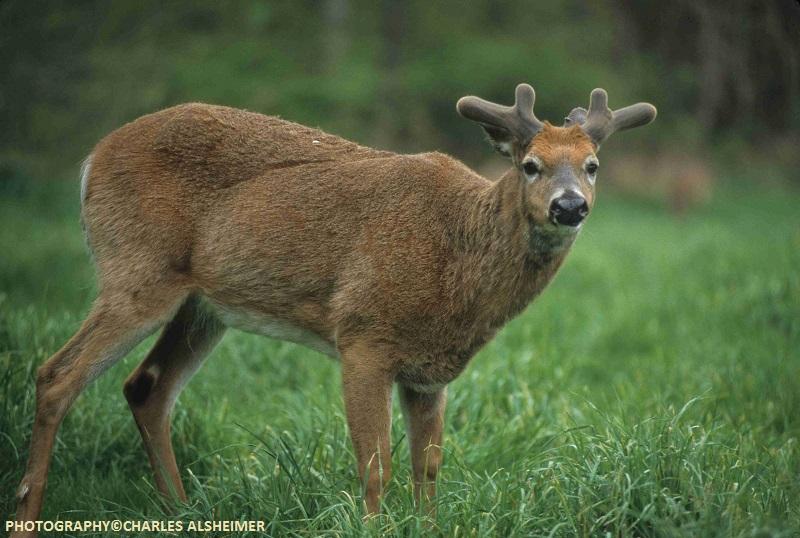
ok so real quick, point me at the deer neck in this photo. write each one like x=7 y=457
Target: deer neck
x=506 y=259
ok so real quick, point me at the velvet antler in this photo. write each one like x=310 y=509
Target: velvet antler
x=600 y=122
x=503 y=122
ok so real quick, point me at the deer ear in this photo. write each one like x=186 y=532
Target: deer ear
x=500 y=139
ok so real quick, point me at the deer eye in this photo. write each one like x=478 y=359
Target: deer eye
x=591 y=168
x=530 y=168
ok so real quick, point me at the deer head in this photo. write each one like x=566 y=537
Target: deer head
x=556 y=166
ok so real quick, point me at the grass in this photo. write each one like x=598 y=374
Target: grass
x=651 y=391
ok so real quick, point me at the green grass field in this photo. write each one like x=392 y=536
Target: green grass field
x=653 y=390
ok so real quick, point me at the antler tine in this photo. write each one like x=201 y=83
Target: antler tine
x=519 y=120
x=599 y=117
x=524 y=99
x=600 y=122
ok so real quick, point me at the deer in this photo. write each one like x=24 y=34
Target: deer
x=400 y=267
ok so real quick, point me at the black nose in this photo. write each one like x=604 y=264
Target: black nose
x=569 y=209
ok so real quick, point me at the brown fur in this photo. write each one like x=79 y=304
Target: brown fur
x=402 y=265
x=555 y=145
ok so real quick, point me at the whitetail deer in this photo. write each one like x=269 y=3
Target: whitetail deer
x=401 y=266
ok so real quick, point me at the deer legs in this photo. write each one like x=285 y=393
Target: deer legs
x=117 y=323
x=114 y=326
x=151 y=390
x=368 y=384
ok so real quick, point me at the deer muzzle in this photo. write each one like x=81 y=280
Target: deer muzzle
x=569 y=209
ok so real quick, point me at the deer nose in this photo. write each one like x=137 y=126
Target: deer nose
x=569 y=209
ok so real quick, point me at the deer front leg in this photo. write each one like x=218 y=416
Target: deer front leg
x=367 y=383
x=424 y=414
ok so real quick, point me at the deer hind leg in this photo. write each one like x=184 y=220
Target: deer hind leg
x=151 y=390
x=117 y=322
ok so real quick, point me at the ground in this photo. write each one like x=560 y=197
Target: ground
x=651 y=391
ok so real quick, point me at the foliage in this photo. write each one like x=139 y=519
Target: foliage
x=388 y=73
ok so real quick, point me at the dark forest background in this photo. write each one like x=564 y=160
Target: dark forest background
x=724 y=75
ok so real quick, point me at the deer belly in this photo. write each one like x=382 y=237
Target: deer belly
x=273 y=327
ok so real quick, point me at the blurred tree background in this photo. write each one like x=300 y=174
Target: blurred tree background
x=724 y=75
